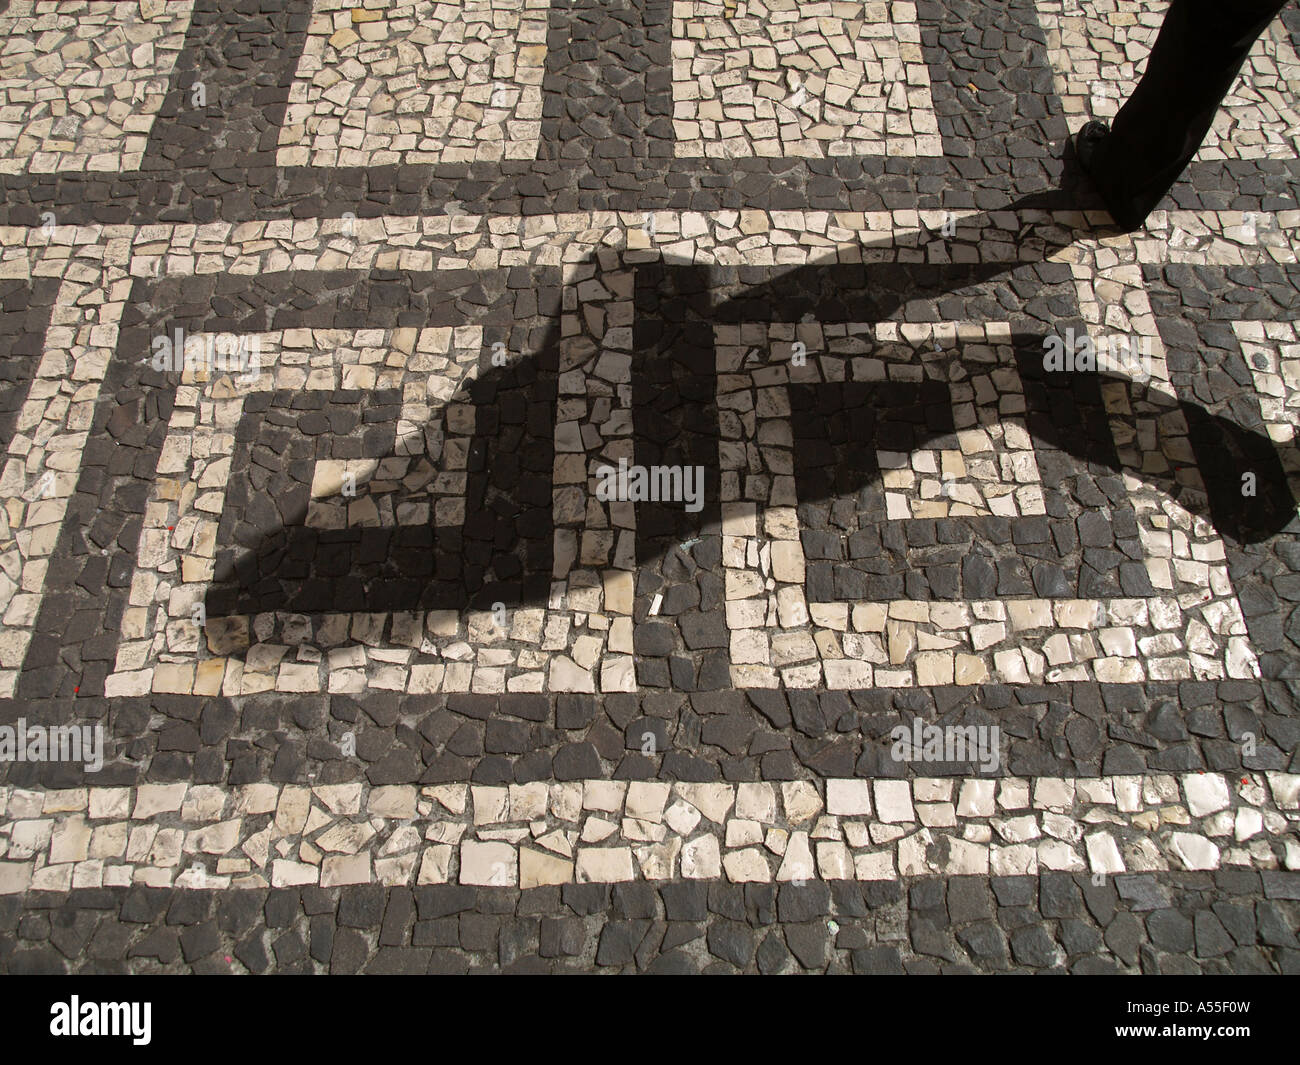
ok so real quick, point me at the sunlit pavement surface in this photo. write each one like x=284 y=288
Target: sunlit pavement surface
x=653 y=486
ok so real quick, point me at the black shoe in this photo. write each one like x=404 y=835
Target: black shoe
x=1086 y=141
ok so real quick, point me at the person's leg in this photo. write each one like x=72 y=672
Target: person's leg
x=1197 y=55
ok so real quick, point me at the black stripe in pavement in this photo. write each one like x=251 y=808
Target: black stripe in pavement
x=607 y=96
x=1066 y=730
x=1227 y=922
x=1237 y=185
x=675 y=424
x=348 y=299
x=219 y=124
x=992 y=85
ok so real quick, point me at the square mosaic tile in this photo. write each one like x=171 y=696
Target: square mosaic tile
x=422 y=82
x=778 y=78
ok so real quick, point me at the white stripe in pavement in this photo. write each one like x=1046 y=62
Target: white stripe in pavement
x=604 y=831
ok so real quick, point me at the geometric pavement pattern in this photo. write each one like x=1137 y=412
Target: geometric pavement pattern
x=387 y=682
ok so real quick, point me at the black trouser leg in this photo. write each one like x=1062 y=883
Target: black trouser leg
x=1194 y=62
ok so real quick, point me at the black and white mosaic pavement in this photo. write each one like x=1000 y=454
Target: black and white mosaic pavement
x=323 y=329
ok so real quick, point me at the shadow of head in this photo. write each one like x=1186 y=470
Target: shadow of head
x=468 y=521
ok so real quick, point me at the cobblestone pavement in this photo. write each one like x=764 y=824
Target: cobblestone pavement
x=648 y=486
